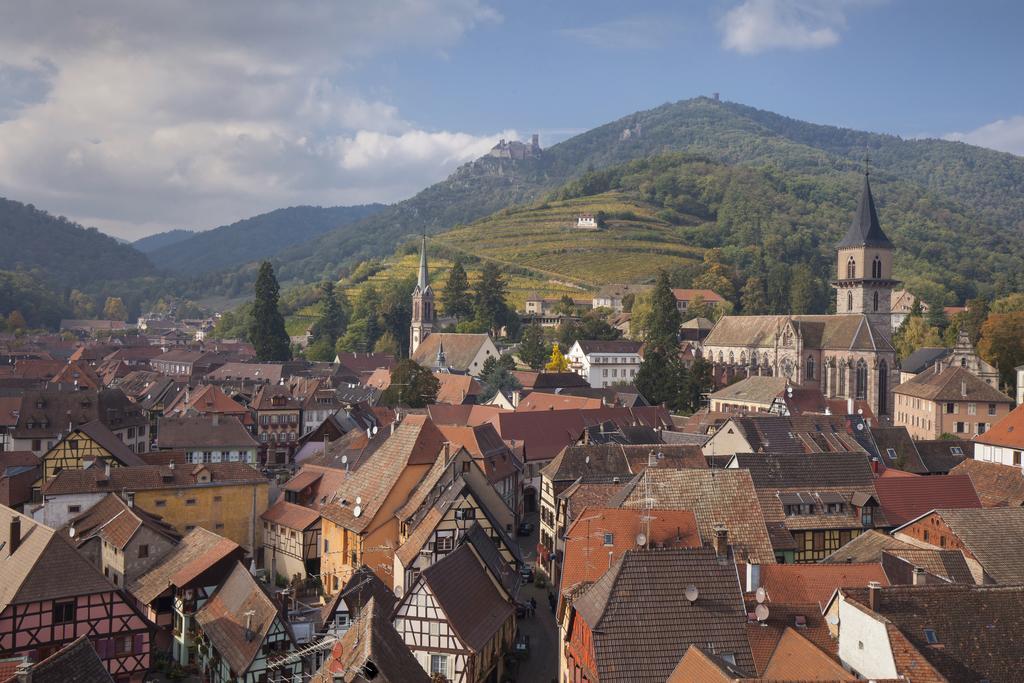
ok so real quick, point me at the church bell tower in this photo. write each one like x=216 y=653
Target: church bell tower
x=864 y=280
x=422 y=304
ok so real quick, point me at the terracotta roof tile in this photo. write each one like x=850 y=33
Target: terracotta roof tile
x=995 y=536
x=905 y=498
x=539 y=400
x=798 y=659
x=459 y=349
x=765 y=636
x=952 y=384
x=116 y=522
x=1008 y=432
x=197 y=552
x=290 y=515
x=997 y=485
x=814 y=584
x=150 y=477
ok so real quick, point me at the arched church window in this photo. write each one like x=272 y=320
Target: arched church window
x=849 y=301
x=842 y=379
x=721 y=357
x=874 y=303
x=810 y=367
x=876 y=269
x=861 y=386
x=732 y=358
x=743 y=357
x=851 y=269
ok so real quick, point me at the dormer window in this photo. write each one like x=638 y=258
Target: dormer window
x=931 y=636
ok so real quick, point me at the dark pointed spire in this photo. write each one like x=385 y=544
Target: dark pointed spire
x=865 y=231
x=423 y=281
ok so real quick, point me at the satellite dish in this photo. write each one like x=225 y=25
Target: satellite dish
x=761 y=594
x=587 y=460
x=761 y=612
x=374 y=429
x=359 y=500
x=344 y=460
x=641 y=539
x=860 y=427
x=833 y=619
x=357 y=511
x=71 y=531
x=860 y=411
x=692 y=593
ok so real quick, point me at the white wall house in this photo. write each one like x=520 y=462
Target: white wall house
x=864 y=645
x=1002 y=443
x=604 y=363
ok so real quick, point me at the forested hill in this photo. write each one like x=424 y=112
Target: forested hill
x=161 y=239
x=254 y=238
x=60 y=253
x=987 y=187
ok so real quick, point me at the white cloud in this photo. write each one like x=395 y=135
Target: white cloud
x=141 y=116
x=1004 y=135
x=630 y=33
x=756 y=26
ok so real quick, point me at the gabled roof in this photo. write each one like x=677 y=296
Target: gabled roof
x=474 y=605
x=953 y=384
x=923 y=358
x=150 y=477
x=41 y=564
x=907 y=457
x=798 y=659
x=976 y=626
x=997 y=485
x=583 y=460
x=698 y=665
x=707 y=295
x=362 y=587
x=841 y=332
x=940 y=456
x=814 y=584
x=116 y=522
x=995 y=536
x=223 y=618
x=76 y=662
x=197 y=552
x=626 y=346
x=482 y=442
x=950 y=565
x=802 y=434
x=638 y=612
x=207 y=398
x=290 y=515
x=867 y=547
x=539 y=400
x=905 y=498
x=725 y=497
x=865 y=231
x=489 y=554
x=459 y=349
x=198 y=431
x=1008 y=432
x=754 y=389
x=98 y=432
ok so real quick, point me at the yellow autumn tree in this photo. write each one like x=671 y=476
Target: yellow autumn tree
x=558 y=362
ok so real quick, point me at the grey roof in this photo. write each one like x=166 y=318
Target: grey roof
x=865 y=230
x=923 y=358
x=994 y=536
x=76 y=662
x=867 y=547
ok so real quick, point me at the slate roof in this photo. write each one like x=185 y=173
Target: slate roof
x=648 y=587
x=76 y=662
x=756 y=389
x=841 y=332
x=939 y=456
x=953 y=384
x=923 y=358
x=804 y=434
x=976 y=626
x=198 y=431
x=812 y=476
x=150 y=477
x=724 y=497
x=898 y=439
x=995 y=536
x=197 y=552
x=45 y=412
x=371 y=644
x=997 y=485
x=223 y=618
x=865 y=230
x=905 y=498
x=867 y=547
x=40 y=566
x=946 y=564
x=459 y=349
x=589 y=346
x=475 y=608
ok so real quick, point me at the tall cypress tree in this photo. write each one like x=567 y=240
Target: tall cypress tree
x=664 y=320
x=266 y=331
x=455 y=297
x=491 y=308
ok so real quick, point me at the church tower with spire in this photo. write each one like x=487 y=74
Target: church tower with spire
x=864 y=281
x=423 y=312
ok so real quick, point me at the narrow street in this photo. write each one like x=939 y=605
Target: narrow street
x=541 y=666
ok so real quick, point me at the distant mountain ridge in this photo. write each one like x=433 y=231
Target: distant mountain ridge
x=986 y=185
x=151 y=243
x=250 y=239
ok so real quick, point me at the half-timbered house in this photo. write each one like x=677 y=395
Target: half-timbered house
x=457 y=620
x=291 y=540
x=242 y=635
x=344 y=607
x=91 y=442
x=170 y=593
x=50 y=596
x=47 y=414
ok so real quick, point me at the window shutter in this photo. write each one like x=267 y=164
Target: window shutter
x=139 y=644
x=103 y=648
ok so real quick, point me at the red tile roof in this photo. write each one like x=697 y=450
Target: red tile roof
x=539 y=400
x=1008 y=432
x=290 y=515
x=814 y=584
x=905 y=498
x=997 y=485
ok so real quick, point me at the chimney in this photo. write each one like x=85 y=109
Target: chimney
x=874 y=465
x=106 y=470
x=753 y=576
x=919 y=576
x=721 y=541
x=15 y=536
x=849 y=406
x=963 y=388
x=874 y=595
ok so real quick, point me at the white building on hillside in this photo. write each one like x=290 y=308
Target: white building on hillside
x=604 y=363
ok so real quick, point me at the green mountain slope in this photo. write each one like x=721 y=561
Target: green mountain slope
x=162 y=239
x=255 y=238
x=60 y=253
x=983 y=186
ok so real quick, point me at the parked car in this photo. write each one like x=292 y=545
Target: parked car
x=526 y=571
x=522 y=646
x=525 y=528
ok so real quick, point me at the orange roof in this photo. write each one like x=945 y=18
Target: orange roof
x=456 y=389
x=587 y=556
x=290 y=515
x=798 y=659
x=691 y=294
x=891 y=472
x=207 y=398
x=1008 y=432
x=538 y=400
x=378 y=379
x=815 y=583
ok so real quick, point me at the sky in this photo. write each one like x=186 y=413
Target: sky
x=137 y=117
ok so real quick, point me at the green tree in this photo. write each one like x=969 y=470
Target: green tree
x=804 y=290
x=387 y=344
x=320 y=350
x=914 y=333
x=936 y=317
x=533 y=350
x=1009 y=303
x=662 y=328
x=114 y=309
x=591 y=326
x=1002 y=342
x=331 y=324
x=412 y=386
x=498 y=377
x=753 y=298
x=357 y=338
x=266 y=330
x=82 y=305
x=490 y=305
x=16 y=321
x=455 y=296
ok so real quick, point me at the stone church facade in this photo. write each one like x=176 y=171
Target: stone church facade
x=846 y=355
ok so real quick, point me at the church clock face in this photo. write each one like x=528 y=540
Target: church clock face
x=787 y=368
